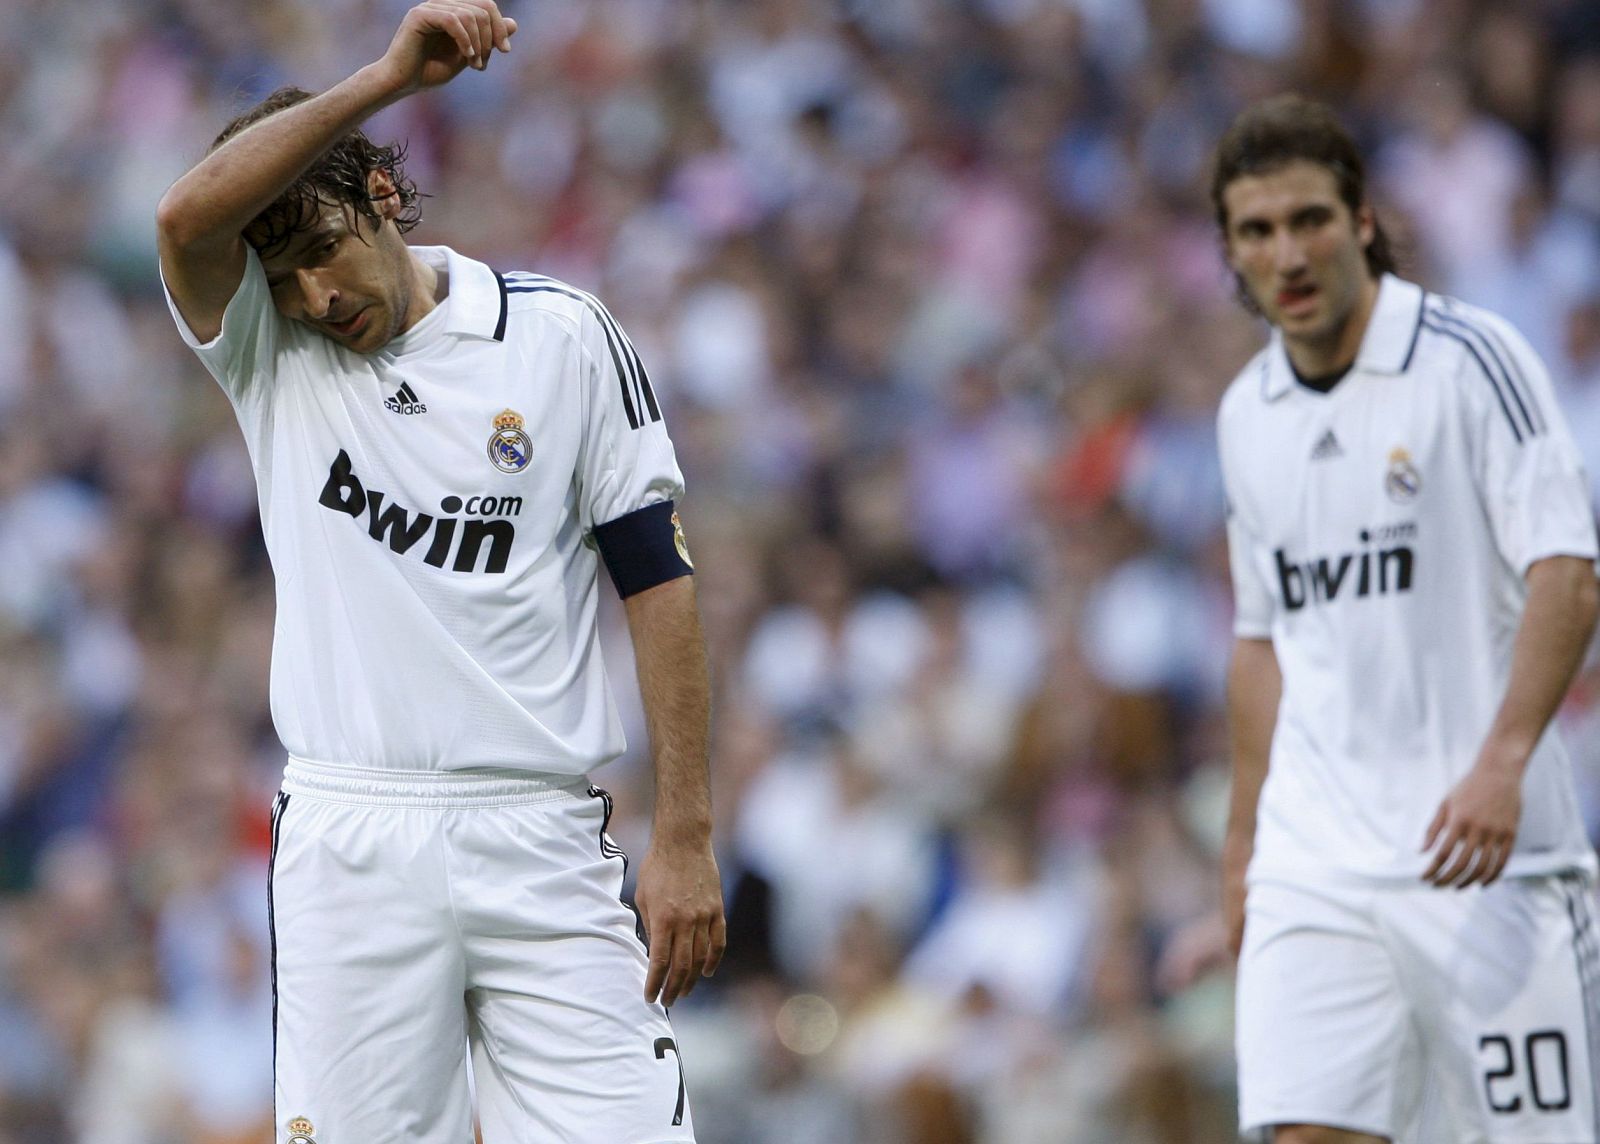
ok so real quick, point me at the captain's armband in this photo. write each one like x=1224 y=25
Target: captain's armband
x=644 y=548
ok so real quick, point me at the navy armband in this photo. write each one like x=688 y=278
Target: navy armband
x=644 y=548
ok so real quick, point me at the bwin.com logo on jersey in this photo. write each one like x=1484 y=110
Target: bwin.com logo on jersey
x=509 y=447
x=1368 y=571
x=448 y=541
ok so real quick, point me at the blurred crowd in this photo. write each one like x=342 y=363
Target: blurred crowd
x=932 y=294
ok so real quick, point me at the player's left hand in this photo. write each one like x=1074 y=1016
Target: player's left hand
x=1472 y=833
x=680 y=902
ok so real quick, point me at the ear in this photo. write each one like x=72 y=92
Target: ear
x=385 y=195
x=1229 y=257
x=1366 y=225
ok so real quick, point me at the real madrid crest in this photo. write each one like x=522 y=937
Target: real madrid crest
x=300 y=1131
x=510 y=448
x=1402 y=481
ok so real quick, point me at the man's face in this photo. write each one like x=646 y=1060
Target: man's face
x=345 y=278
x=1298 y=250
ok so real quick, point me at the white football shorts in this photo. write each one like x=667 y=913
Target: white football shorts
x=1357 y=1002
x=422 y=919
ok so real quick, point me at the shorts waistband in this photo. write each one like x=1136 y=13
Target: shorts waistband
x=366 y=786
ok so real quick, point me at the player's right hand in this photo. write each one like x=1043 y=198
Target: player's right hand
x=439 y=38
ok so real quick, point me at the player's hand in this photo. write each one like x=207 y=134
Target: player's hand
x=680 y=902
x=1472 y=834
x=439 y=38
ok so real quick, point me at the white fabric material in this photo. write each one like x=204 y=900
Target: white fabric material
x=435 y=610
x=1355 y=1000
x=1379 y=535
x=421 y=923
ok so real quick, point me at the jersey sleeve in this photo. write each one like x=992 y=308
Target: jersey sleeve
x=1532 y=480
x=1253 y=603
x=626 y=461
x=240 y=355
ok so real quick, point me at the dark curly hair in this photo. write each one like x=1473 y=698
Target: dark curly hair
x=339 y=177
x=1280 y=130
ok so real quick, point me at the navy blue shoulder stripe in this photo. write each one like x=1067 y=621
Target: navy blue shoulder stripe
x=1498 y=352
x=1489 y=376
x=644 y=392
x=1514 y=369
x=637 y=394
x=1494 y=345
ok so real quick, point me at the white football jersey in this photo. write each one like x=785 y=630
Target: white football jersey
x=1379 y=536
x=426 y=508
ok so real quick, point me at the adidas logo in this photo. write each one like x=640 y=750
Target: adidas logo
x=404 y=401
x=1327 y=448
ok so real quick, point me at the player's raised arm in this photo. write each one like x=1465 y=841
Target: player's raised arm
x=201 y=219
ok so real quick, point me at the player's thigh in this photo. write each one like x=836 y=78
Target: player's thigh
x=592 y=1065
x=566 y=1050
x=370 y=1033
x=1324 y=1037
x=1514 y=976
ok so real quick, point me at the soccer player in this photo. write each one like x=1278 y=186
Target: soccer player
x=444 y=454
x=1413 y=559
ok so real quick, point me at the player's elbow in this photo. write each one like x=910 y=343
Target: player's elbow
x=176 y=224
x=180 y=225
x=171 y=218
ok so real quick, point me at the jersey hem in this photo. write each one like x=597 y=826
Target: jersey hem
x=1261 y=1123
x=1588 y=870
x=478 y=788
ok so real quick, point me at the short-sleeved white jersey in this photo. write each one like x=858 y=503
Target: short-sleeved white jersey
x=1379 y=536
x=426 y=509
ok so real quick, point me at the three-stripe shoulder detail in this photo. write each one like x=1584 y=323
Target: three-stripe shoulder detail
x=638 y=397
x=1497 y=364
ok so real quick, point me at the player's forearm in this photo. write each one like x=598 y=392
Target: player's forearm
x=675 y=685
x=221 y=194
x=1254 y=688
x=1557 y=623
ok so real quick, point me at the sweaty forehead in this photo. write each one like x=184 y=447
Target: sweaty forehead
x=330 y=219
x=1281 y=190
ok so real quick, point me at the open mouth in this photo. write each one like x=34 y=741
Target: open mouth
x=351 y=327
x=1296 y=297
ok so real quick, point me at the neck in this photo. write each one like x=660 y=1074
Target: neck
x=427 y=291
x=1335 y=350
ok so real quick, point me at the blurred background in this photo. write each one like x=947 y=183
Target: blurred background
x=933 y=298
